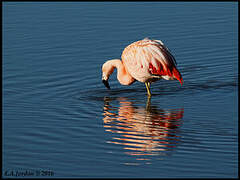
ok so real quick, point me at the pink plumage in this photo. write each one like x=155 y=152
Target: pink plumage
x=146 y=59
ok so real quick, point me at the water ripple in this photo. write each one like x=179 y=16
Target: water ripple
x=142 y=131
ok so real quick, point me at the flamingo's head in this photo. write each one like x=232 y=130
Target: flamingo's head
x=107 y=70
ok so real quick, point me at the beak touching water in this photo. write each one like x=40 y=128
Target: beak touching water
x=105 y=82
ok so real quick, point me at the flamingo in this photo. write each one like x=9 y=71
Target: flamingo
x=146 y=61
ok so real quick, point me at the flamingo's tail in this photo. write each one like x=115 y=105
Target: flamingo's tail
x=177 y=75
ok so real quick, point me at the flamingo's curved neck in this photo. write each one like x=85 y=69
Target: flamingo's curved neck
x=122 y=75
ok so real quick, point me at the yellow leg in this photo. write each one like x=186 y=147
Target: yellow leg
x=148 y=104
x=148 y=88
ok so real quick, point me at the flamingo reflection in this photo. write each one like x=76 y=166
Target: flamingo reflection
x=142 y=130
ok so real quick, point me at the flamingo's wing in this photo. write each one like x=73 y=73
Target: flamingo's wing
x=153 y=56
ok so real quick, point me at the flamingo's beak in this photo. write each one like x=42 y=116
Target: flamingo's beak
x=105 y=82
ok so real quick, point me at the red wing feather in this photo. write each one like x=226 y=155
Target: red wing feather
x=172 y=72
x=164 y=66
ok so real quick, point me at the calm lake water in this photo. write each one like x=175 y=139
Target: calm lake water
x=60 y=121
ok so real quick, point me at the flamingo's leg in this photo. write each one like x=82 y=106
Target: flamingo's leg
x=148 y=104
x=148 y=88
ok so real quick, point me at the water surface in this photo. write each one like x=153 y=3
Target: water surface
x=58 y=116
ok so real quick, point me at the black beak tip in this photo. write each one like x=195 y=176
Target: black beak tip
x=105 y=82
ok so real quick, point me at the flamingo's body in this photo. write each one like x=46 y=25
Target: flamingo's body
x=145 y=61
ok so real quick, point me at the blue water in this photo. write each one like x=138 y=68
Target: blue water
x=60 y=121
